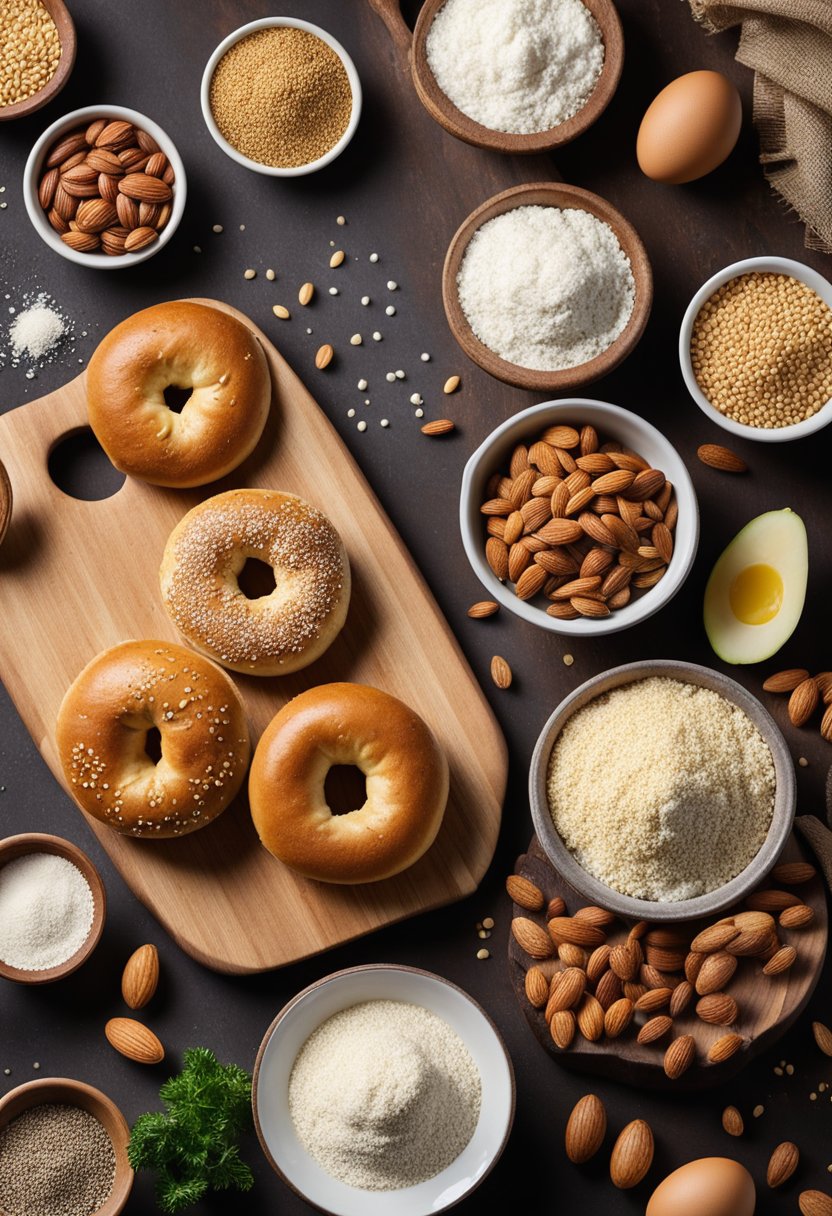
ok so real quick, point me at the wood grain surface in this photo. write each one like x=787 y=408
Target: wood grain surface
x=768 y=1006
x=222 y=897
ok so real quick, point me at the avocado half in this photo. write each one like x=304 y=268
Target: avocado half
x=757 y=588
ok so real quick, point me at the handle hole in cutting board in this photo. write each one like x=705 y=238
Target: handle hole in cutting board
x=79 y=467
x=345 y=789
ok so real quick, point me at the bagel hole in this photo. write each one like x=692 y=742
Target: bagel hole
x=345 y=789
x=177 y=397
x=256 y=579
x=153 y=744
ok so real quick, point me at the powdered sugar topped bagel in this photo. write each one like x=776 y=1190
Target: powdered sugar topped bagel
x=274 y=634
x=197 y=350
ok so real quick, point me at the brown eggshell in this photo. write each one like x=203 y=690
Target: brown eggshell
x=710 y=1186
x=689 y=128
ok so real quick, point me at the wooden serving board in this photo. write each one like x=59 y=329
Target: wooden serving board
x=768 y=1006
x=76 y=577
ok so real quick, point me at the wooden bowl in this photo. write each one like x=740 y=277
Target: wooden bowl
x=548 y=194
x=60 y=14
x=442 y=109
x=5 y=501
x=626 y=906
x=65 y=1092
x=38 y=842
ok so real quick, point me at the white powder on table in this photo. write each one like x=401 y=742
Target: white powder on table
x=46 y=911
x=36 y=331
x=384 y=1095
x=662 y=790
x=546 y=288
x=516 y=65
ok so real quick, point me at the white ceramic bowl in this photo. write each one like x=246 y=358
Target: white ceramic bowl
x=771 y=265
x=256 y=165
x=613 y=422
x=32 y=175
x=293 y=1026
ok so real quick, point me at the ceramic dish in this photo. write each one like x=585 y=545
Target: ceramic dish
x=293 y=1026
x=228 y=148
x=770 y=265
x=63 y=1091
x=548 y=194
x=65 y=26
x=442 y=109
x=615 y=423
x=32 y=176
x=596 y=892
x=36 y=842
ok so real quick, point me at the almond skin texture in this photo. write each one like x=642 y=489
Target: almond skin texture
x=501 y=672
x=524 y=893
x=531 y=938
x=483 y=609
x=655 y=1029
x=802 y=702
x=569 y=990
x=781 y=961
x=714 y=938
x=632 y=1155
x=440 y=426
x=591 y=1018
x=681 y=998
x=786 y=681
x=814 y=1203
x=537 y=987
x=618 y=1017
x=133 y=1040
x=578 y=932
x=722 y=1049
x=823 y=1037
x=718 y=457
x=782 y=1163
x=608 y=989
x=793 y=873
x=771 y=901
x=715 y=973
x=585 y=1129
x=717 y=1009
x=797 y=917
x=732 y=1121
x=679 y=1056
x=140 y=977
x=562 y=1028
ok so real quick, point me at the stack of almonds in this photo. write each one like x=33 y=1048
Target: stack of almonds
x=580 y=521
x=589 y=986
x=806 y=694
x=107 y=188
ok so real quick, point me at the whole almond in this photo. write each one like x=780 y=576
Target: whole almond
x=142 y=188
x=655 y=998
x=562 y=1028
x=681 y=998
x=134 y=1040
x=102 y=160
x=555 y=907
x=127 y=210
x=156 y=165
x=48 y=186
x=655 y=1029
x=451 y=384
x=531 y=938
x=561 y=437
x=572 y=956
x=324 y=356
x=823 y=1037
x=149 y=214
x=802 y=702
x=94 y=215
x=483 y=609
x=579 y=932
x=524 y=893
x=530 y=582
x=624 y=961
x=715 y=972
x=772 y=901
x=781 y=961
x=598 y=963
x=717 y=1009
x=618 y=1017
x=520 y=490
x=440 y=426
x=58 y=222
x=679 y=1056
x=501 y=673
x=139 y=238
x=140 y=976
x=814 y=1203
x=662 y=540
x=64 y=148
x=590 y=1018
x=718 y=457
x=608 y=989
x=593 y=915
x=750 y=942
x=585 y=1129
x=782 y=1163
x=146 y=142
x=112 y=240
x=646 y=485
x=560 y=532
x=82 y=242
x=786 y=681
x=116 y=134
x=797 y=917
x=570 y=989
x=732 y=1121
x=723 y=1048
x=793 y=873
x=496 y=554
x=754 y=921
x=632 y=1155
x=826 y=724
x=537 y=987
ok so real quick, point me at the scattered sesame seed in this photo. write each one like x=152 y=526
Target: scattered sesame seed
x=356 y=340
x=392 y=285
x=333 y=291
x=420 y=413
x=217 y=228
x=568 y=660
x=362 y=384
x=790 y=1070
x=803 y=762
x=270 y=275
x=308 y=330
x=376 y=336
x=415 y=399
x=425 y=357
x=373 y=257
x=482 y=954
x=362 y=425
x=366 y=400
x=482 y=933
x=385 y=422
x=365 y=300
x=242 y=227
x=390 y=310
x=488 y=922
x=250 y=274
x=197 y=249
x=390 y=377
x=757 y=1111
x=7 y=1072
x=36 y=1065
x=822 y=1088
x=350 y=413
x=778 y=1072
x=340 y=221
x=813 y=1097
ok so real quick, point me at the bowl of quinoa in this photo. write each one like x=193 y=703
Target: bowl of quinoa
x=662 y=791
x=281 y=97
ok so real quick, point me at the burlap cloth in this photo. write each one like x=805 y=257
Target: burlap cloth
x=788 y=43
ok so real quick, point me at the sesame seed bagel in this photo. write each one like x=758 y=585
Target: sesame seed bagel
x=183 y=346
x=274 y=634
x=102 y=737
x=406 y=777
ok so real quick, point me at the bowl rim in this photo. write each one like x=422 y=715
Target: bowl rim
x=638 y=610
x=776 y=265
x=251 y=27
x=20 y=845
x=336 y=977
x=457 y=123
x=597 y=892
x=68 y=38
x=31 y=173
x=566 y=197
x=94 y=1101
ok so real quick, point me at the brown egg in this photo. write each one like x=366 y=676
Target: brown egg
x=711 y=1186
x=690 y=128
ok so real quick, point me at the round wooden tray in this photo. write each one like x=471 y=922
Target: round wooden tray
x=768 y=1006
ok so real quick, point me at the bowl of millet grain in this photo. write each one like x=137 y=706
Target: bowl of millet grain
x=755 y=349
x=662 y=791
x=281 y=96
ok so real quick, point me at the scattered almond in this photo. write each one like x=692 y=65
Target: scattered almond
x=570 y=989
x=632 y=1155
x=483 y=609
x=598 y=962
x=781 y=961
x=306 y=293
x=324 y=356
x=134 y=1040
x=718 y=457
x=655 y=998
x=786 y=681
x=441 y=426
x=814 y=1203
x=281 y=311
x=797 y=917
x=823 y=1037
x=531 y=938
x=732 y=1121
x=501 y=672
x=524 y=893
x=679 y=1056
x=555 y=907
x=585 y=1129
x=591 y=1018
x=723 y=1048
x=782 y=1163
x=451 y=384
x=140 y=976
x=337 y=259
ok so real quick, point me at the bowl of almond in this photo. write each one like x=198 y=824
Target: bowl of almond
x=105 y=187
x=579 y=517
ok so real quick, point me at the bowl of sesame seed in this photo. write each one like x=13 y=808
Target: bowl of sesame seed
x=281 y=97
x=755 y=349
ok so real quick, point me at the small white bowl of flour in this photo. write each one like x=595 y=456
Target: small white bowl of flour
x=383 y=1088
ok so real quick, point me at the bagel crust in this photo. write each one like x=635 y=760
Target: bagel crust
x=274 y=634
x=102 y=731
x=406 y=776
x=186 y=346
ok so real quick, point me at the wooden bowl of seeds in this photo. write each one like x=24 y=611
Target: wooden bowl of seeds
x=52 y=35
x=109 y=1170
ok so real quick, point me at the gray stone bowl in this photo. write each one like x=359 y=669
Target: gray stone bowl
x=596 y=892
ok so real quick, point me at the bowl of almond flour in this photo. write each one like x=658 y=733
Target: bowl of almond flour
x=383 y=1088
x=662 y=791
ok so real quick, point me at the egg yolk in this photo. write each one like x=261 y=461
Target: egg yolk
x=756 y=594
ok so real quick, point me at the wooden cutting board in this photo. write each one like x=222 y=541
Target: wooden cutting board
x=76 y=577
x=767 y=1005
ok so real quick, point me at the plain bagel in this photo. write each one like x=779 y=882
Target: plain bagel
x=102 y=735
x=188 y=347
x=406 y=776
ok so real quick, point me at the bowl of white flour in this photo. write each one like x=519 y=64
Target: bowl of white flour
x=383 y=1088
